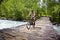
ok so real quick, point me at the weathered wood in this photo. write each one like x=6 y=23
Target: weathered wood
x=43 y=31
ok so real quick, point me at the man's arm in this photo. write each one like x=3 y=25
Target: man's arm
x=29 y=14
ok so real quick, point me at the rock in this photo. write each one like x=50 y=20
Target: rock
x=58 y=37
x=43 y=31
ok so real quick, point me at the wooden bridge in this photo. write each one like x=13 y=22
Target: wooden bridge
x=43 y=31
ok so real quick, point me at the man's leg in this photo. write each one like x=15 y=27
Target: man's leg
x=33 y=24
x=28 y=26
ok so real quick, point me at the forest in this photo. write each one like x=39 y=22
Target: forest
x=19 y=9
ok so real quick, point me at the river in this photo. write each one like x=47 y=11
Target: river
x=57 y=28
x=9 y=23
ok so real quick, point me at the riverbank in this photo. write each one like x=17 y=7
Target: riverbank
x=43 y=31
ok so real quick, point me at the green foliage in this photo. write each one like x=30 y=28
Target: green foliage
x=19 y=9
x=54 y=10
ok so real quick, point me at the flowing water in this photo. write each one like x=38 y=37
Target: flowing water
x=57 y=28
x=9 y=23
